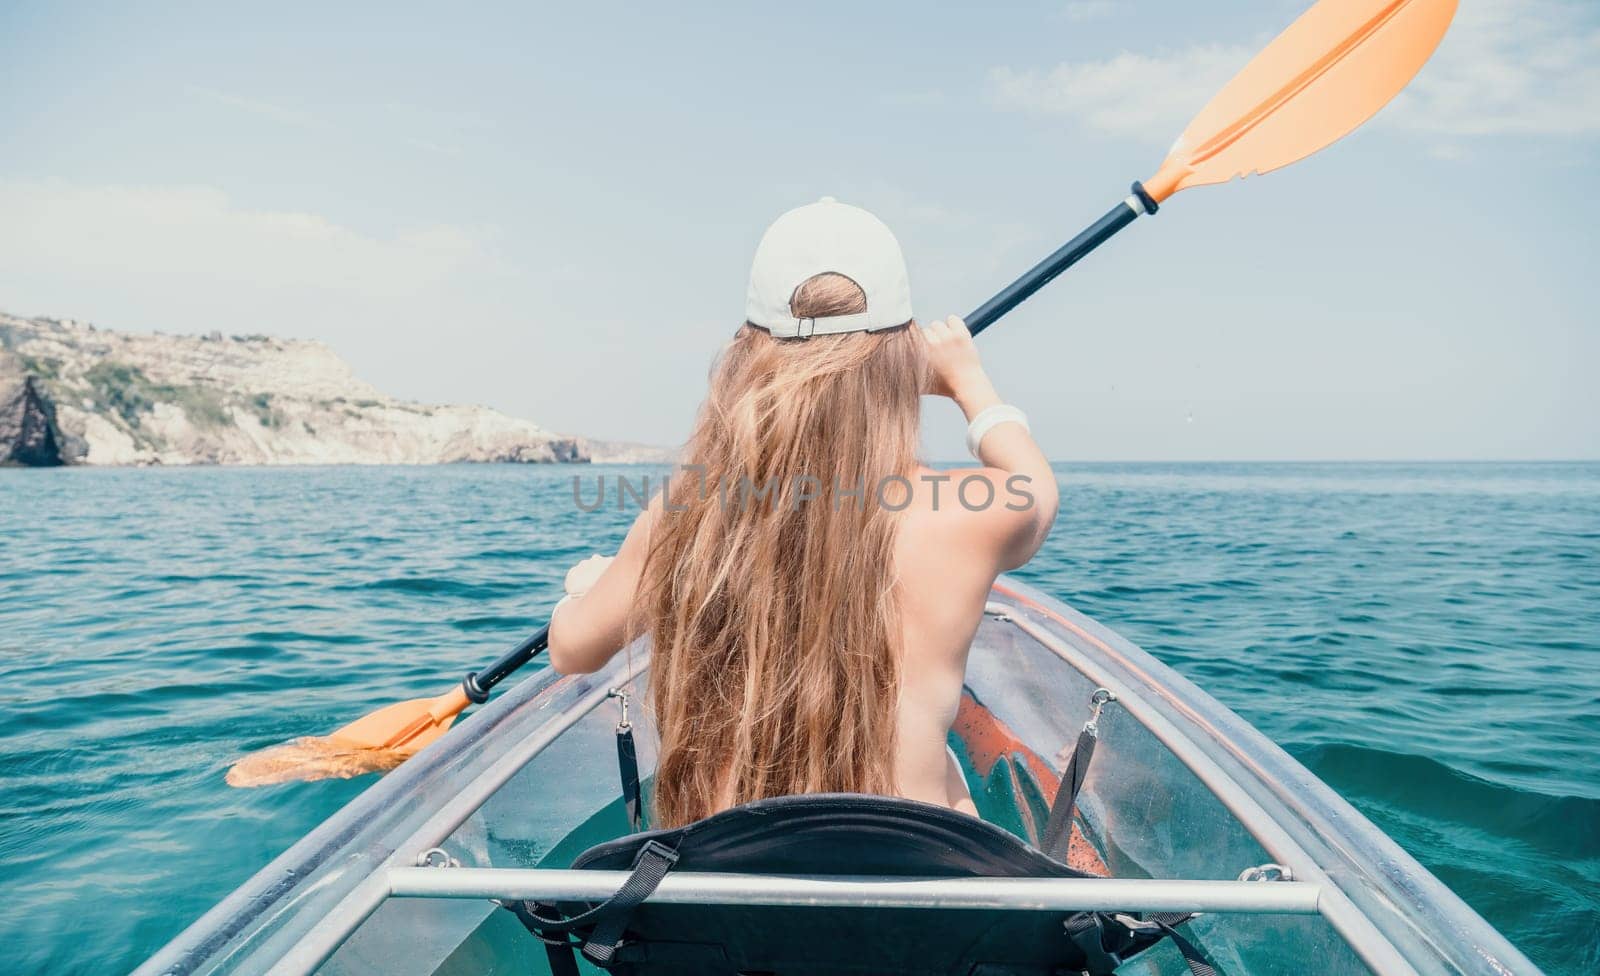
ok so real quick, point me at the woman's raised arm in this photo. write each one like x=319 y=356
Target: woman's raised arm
x=590 y=625
x=1022 y=506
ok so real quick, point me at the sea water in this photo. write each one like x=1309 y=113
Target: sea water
x=1424 y=637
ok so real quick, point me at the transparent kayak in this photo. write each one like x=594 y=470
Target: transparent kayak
x=1185 y=807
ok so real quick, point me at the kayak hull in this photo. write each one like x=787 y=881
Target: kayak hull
x=1180 y=788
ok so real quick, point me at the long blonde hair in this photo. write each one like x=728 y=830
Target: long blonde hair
x=774 y=618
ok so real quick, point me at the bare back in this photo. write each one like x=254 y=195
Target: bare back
x=948 y=550
x=944 y=581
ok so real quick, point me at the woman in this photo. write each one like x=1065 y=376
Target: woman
x=809 y=588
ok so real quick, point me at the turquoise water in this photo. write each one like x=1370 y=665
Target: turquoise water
x=1425 y=637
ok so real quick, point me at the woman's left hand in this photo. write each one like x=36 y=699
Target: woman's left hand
x=582 y=577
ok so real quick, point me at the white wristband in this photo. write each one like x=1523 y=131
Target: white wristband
x=987 y=420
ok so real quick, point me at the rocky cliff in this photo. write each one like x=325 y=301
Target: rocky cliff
x=74 y=394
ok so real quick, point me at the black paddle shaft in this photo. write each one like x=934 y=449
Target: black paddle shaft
x=1065 y=257
x=477 y=683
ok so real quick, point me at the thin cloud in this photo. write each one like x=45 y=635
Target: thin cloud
x=1079 y=11
x=1506 y=67
x=924 y=98
x=266 y=110
x=195 y=236
x=433 y=147
x=306 y=120
x=1129 y=95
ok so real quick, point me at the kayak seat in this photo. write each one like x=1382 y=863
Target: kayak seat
x=832 y=834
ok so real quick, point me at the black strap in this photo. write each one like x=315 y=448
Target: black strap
x=563 y=961
x=652 y=864
x=1087 y=931
x=1057 y=836
x=609 y=918
x=557 y=948
x=654 y=861
x=1198 y=966
x=1104 y=951
x=628 y=767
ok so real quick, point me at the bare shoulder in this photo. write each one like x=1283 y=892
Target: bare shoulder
x=997 y=516
x=637 y=543
x=975 y=501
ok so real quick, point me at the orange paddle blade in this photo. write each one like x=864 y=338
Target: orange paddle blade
x=1330 y=71
x=375 y=743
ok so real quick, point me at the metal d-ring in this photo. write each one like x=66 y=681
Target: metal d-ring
x=1098 y=701
x=1267 y=872
x=436 y=857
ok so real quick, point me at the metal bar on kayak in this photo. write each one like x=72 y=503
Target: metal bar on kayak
x=1016 y=894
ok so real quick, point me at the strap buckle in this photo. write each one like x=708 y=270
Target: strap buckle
x=1098 y=701
x=623 y=724
x=656 y=849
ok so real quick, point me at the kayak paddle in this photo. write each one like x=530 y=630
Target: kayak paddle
x=385 y=738
x=1330 y=71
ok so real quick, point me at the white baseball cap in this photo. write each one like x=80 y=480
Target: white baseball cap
x=821 y=238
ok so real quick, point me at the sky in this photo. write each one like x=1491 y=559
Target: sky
x=550 y=208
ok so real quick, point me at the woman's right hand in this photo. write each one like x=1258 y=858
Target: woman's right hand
x=954 y=368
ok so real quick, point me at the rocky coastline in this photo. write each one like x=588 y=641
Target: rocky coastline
x=71 y=393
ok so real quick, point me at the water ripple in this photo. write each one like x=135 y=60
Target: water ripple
x=1424 y=637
